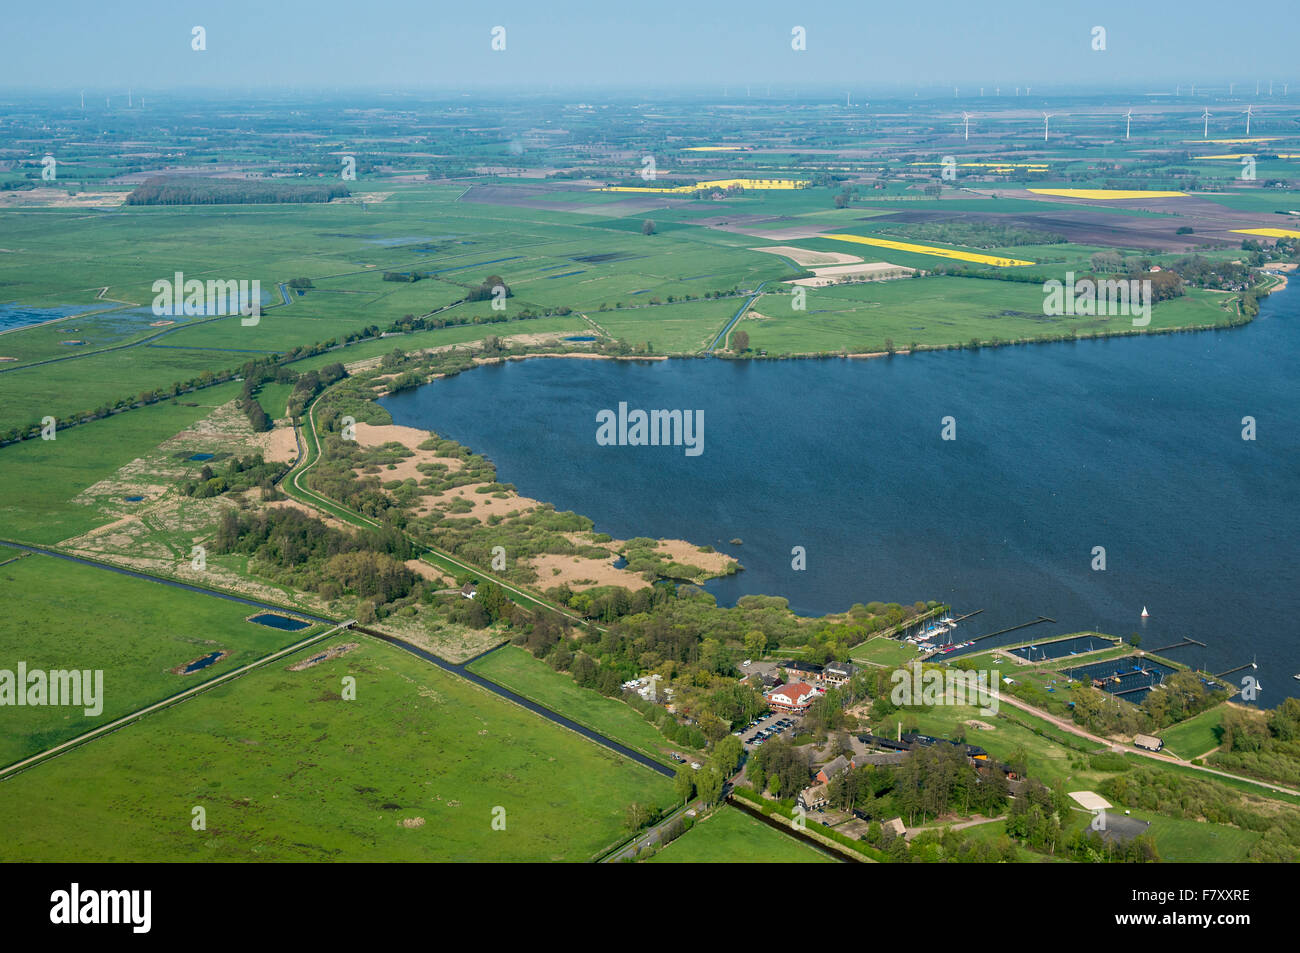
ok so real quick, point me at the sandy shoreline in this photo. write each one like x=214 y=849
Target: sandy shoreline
x=576 y=571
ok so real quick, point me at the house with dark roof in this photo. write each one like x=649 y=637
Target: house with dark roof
x=806 y=668
x=833 y=769
x=838 y=673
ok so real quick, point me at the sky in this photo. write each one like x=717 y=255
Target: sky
x=435 y=44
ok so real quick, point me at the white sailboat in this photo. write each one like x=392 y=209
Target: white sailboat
x=1145 y=614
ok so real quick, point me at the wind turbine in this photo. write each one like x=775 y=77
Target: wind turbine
x=1128 y=122
x=965 y=121
x=1250 y=111
x=1046 y=116
x=1205 y=134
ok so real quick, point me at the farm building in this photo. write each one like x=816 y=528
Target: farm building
x=1148 y=742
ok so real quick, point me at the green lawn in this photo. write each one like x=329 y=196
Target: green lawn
x=729 y=835
x=1196 y=736
x=517 y=670
x=61 y=615
x=887 y=652
x=1186 y=841
x=415 y=769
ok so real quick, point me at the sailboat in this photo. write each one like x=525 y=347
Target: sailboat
x=1145 y=614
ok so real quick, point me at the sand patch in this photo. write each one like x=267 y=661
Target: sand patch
x=279 y=445
x=373 y=435
x=408 y=468
x=682 y=551
x=580 y=573
x=425 y=571
x=485 y=504
x=805 y=256
x=870 y=270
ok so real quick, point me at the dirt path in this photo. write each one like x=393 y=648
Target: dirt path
x=1072 y=728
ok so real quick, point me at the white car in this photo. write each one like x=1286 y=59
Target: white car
x=746 y=662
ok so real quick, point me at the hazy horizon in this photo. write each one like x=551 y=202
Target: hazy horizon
x=410 y=46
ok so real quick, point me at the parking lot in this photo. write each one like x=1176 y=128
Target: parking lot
x=767 y=727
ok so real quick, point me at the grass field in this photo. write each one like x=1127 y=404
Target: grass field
x=882 y=651
x=729 y=835
x=683 y=327
x=517 y=670
x=1052 y=760
x=62 y=615
x=412 y=770
x=1196 y=736
x=1183 y=841
x=935 y=312
x=40 y=478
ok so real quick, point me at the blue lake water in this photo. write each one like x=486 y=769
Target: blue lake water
x=199 y=664
x=13 y=315
x=279 y=622
x=1131 y=444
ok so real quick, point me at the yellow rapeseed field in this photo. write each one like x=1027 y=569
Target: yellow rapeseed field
x=1108 y=194
x=931 y=250
x=1269 y=232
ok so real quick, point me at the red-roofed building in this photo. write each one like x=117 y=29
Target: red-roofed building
x=794 y=697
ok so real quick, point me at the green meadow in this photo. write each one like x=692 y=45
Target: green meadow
x=61 y=615
x=39 y=479
x=286 y=770
x=730 y=836
x=938 y=311
x=517 y=670
x=1195 y=736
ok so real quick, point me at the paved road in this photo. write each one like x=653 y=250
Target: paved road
x=554 y=716
x=651 y=836
x=722 y=335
